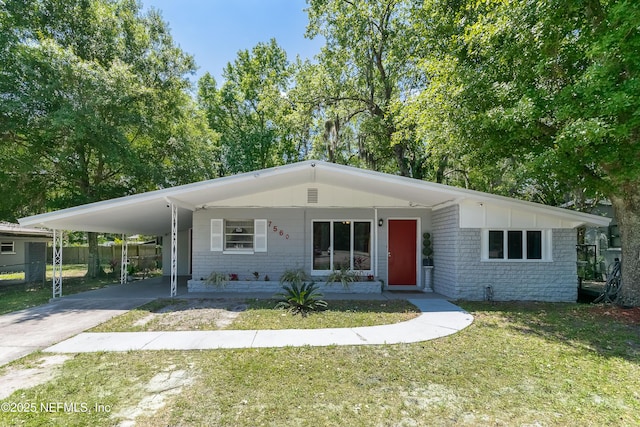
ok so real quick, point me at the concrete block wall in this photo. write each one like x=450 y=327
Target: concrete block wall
x=286 y=253
x=445 y=238
x=554 y=280
x=460 y=272
x=282 y=253
x=275 y=287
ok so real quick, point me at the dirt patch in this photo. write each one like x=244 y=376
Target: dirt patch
x=630 y=316
x=163 y=385
x=188 y=315
x=44 y=370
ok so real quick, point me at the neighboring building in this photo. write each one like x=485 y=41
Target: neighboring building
x=598 y=246
x=321 y=217
x=23 y=249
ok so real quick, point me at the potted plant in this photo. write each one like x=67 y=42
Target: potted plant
x=427 y=250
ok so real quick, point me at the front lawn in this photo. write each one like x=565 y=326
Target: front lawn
x=517 y=364
x=215 y=314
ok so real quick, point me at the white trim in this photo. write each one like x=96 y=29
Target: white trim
x=217 y=235
x=376 y=238
x=174 y=250
x=124 y=260
x=418 y=245
x=372 y=240
x=180 y=203
x=57 y=263
x=8 y=243
x=190 y=250
x=100 y=216
x=260 y=233
x=547 y=245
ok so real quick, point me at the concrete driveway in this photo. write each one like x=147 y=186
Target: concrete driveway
x=25 y=331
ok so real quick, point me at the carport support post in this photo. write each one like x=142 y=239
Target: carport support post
x=174 y=250
x=123 y=261
x=57 y=263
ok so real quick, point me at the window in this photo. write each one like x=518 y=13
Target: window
x=341 y=244
x=7 y=248
x=614 y=236
x=517 y=244
x=239 y=235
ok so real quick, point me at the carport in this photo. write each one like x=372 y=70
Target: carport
x=154 y=213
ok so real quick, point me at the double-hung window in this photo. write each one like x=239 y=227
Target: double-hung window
x=525 y=245
x=342 y=244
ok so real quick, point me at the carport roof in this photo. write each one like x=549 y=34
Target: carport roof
x=150 y=213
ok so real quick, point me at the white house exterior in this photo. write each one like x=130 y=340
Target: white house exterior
x=321 y=217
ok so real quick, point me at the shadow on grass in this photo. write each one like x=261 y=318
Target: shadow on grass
x=243 y=303
x=26 y=296
x=351 y=306
x=581 y=326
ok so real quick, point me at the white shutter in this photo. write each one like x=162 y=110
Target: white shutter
x=260 y=235
x=217 y=235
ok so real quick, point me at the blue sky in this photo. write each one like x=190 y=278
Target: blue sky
x=213 y=31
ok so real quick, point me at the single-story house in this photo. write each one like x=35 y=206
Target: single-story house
x=23 y=250
x=321 y=217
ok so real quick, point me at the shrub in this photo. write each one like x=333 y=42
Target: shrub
x=295 y=276
x=344 y=276
x=219 y=280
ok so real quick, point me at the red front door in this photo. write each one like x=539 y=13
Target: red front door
x=402 y=252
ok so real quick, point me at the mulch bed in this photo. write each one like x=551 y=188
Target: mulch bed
x=627 y=315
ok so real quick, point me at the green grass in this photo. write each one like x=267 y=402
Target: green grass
x=260 y=314
x=517 y=364
x=339 y=314
x=11 y=276
x=20 y=296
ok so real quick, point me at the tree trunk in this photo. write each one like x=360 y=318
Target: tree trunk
x=398 y=149
x=93 y=262
x=627 y=209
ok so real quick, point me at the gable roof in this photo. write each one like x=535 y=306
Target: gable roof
x=149 y=213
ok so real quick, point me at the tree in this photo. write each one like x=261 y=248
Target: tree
x=553 y=87
x=365 y=72
x=251 y=110
x=94 y=104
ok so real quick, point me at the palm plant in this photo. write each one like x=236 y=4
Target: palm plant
x=301 y=298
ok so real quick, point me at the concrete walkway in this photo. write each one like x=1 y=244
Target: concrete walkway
x=38 y=328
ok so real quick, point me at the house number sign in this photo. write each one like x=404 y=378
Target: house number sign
x=278 y=230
